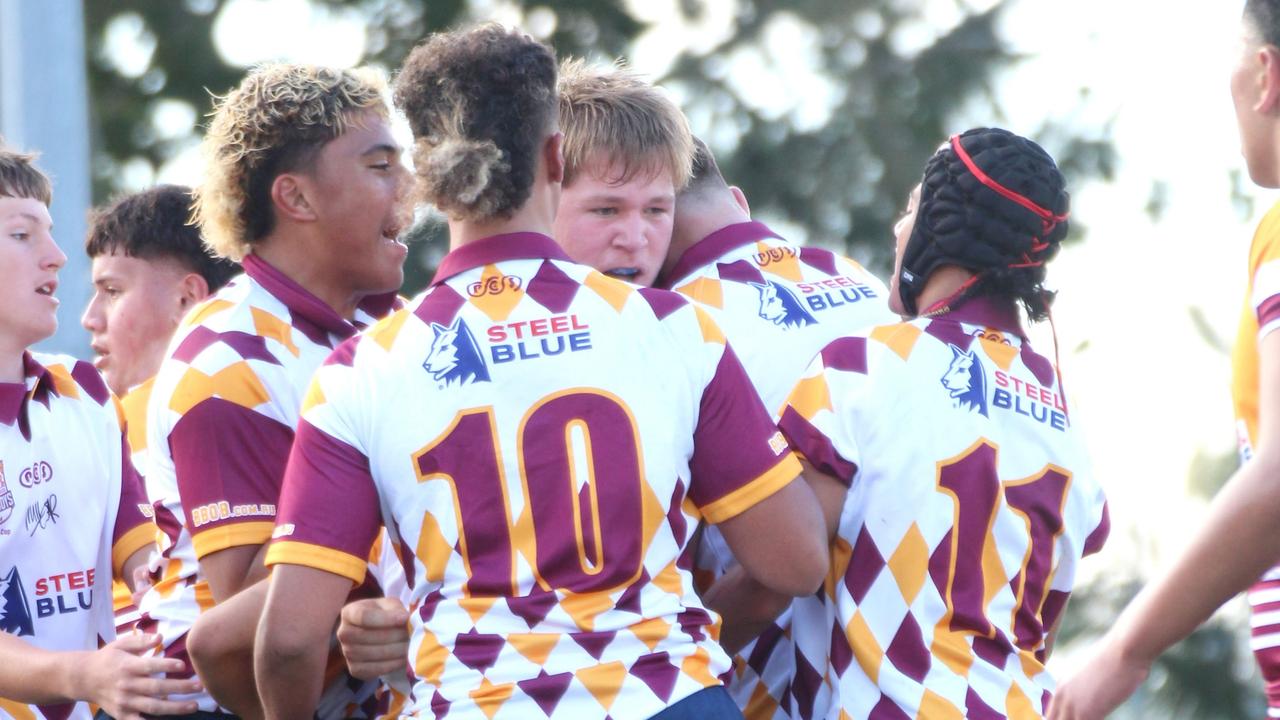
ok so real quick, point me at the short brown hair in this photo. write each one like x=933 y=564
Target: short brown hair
x=273 y=123
x=20 y=178
x=480 y=103
x=610 y=110
x=153 y=224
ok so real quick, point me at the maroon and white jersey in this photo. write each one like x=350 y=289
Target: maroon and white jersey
x=220 y=425
x=970 y=504
x=71 y=513
x=779 y=304
x=542 y=441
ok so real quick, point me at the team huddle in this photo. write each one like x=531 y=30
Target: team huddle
x=631 y=454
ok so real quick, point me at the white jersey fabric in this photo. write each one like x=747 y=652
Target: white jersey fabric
x=543 y=440
x=778 y=304
x=69 y=513
x=971 y=503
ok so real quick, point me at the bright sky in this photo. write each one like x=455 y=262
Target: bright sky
x=1149 y=390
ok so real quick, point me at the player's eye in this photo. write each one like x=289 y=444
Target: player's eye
x=604 y=211
x=20 y=235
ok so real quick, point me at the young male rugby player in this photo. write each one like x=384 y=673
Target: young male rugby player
x=149 y=267
x=304 y=186
x=71 y=506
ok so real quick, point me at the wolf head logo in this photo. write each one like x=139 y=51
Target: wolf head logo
x=455 y=355
x=965 y=381
x=780 y=307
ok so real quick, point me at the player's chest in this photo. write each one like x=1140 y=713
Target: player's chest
x=51 y=485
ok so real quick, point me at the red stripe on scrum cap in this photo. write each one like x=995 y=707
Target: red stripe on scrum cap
x=1046 y=215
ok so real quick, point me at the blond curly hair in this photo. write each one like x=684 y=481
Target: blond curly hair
x=274 y=122
x=609 y=111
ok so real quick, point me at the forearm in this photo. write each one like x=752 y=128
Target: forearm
x=292 y=644
x=1231 y=550
x=221 y=648
x=745 y=606
x=290 y=678
x=33 y=675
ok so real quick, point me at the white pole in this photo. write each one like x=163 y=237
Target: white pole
x=44 y=107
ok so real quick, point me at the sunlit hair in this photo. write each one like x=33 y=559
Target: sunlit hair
x=481 y=103
x=275 y=122
x=153 y=225
x=1264 y=15
x=609 y=113
x=20 y=178
x=705 y=177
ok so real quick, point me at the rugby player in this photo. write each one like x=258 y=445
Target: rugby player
x=956 y=542
x=149 y=267
x=304 y=186
x=540 y=471
x=61 y=437
x=1237 y=547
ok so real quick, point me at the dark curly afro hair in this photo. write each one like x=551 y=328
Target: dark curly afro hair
x=479 y=102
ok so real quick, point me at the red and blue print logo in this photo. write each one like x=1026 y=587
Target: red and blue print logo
x=6 y=497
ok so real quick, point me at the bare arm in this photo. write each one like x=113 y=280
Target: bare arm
x=781 y=540
x=1235 y=545
x=135 y=562
x=231 y=570
x=293 y=638
x=745 y=606
x=221 y=648
x=114 y=677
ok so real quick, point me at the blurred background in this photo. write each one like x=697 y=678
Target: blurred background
x=824 y=112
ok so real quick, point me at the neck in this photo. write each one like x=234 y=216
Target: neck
x=696 y=221
x=294 y=254
x=535 y=216
x=941 y=285
x=11 y=366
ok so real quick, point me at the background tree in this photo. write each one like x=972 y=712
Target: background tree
x=885 y=84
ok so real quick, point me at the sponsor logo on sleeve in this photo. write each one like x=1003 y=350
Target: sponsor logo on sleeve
x=777 y=443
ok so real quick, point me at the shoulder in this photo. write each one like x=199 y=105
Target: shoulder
x=75 y=379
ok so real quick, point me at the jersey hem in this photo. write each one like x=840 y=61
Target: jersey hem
x=226 y=536
x=140 y=536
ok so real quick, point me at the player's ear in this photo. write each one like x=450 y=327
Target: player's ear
x=191 y=290
x=553 y=156
x=1269 y=81
x=289 y=193
x=740 y=198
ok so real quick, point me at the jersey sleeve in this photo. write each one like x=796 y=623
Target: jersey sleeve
x=1264 y=266
x=739 y=457
x=329 y=510
x=229 y=461
x=134 y=529
x=814 y=421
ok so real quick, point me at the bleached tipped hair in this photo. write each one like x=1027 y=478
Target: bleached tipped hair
x=274 y=122
x=481 y=103
x=607 y=112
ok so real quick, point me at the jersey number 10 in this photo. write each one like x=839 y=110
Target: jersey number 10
x=585 y=533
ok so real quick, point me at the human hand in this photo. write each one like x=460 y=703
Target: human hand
x=141 y=584
x=1107 y=680
x=121 y=679
x=374 y=635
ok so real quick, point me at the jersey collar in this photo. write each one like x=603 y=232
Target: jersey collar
x=311 y=309
x=998 y=313
x=495 y=249
x=37 y=385
x=714 y=246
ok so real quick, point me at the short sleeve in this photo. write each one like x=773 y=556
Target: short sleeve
x=134 y=529
x=1264 y=268
x=814 y=419
x=739 y=457
x=229 y=461
x=329 y=510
